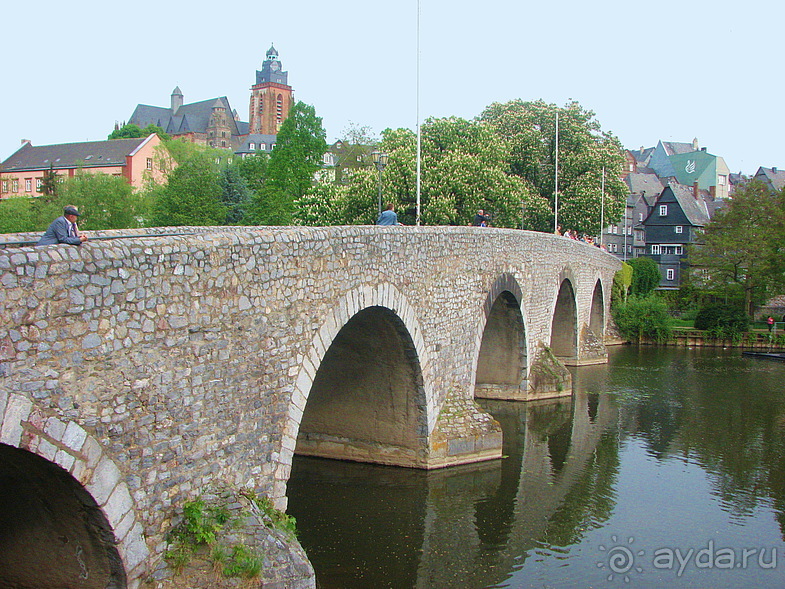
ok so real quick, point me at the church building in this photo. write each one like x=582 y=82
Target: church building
x=214 y=123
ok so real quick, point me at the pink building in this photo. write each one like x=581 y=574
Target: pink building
x=137 y=160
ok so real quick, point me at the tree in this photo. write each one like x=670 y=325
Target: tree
x=584 y=149
x=49 y=182
x=235 y=194
x=299 y=148
x=742 y=252
x=463 y=169
x=253 y=168
x=191 y=196
x=133 y=131
x=645 y=276
x=106 y=202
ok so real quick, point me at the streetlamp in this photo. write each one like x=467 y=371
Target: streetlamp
x=379 y=160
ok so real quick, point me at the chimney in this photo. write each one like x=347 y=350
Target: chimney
x=774 y=170
x=26 y=141
x=695 y=144
x=695 y=191
x=703 y=149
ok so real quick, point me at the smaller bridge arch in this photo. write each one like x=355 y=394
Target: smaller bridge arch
x=64 y=500
x=592 y=343
x=564 y=320
x=501 y=354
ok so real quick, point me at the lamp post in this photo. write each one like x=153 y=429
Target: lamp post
x=379 y=160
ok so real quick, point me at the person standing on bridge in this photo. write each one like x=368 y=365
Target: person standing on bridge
x=64 y=229
x=480 y=219
x=388 y=216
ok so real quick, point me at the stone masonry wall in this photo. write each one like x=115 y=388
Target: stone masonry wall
x=188 y=359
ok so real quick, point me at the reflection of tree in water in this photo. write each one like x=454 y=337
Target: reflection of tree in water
x=736 y=435
x=723 y=412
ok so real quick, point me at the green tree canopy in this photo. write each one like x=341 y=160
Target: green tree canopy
x=742 y=251
x=106 y=202
x=299 y=148
x=529 y=129
x=191 y=196
x=235 y=194
x=645 y=276
x=463 y=169
x=133 y=131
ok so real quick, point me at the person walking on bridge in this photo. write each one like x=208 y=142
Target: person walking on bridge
x=64 y=229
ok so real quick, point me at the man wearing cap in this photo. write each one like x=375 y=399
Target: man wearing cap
x=64 y=229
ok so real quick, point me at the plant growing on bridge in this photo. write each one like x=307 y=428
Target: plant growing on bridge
x=274 y=518
x=199 y=526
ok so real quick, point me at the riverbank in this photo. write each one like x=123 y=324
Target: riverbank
x=752 y=340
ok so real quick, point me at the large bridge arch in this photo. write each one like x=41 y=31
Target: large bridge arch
x=389 y=308
x=64 y=508
x=501 y=349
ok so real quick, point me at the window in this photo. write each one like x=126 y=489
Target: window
x=678 y=250
x=14 y=185
x=640 y=217
x=149 y=163
x=655 y=250
x=615 y=248
x=252 y=146
x=5 y=186
x=223 y=143
x=671 y=273
x=38 y=183
x=678 y=229
x=722 y=179
x=663 y=210
x=262 y=146
x=28 y=184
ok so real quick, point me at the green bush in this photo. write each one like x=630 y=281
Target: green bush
x=17 y=216
x=722 y=319
x=644 y=318
x=645 y=276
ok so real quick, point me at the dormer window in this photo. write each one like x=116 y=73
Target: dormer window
x=252 y=146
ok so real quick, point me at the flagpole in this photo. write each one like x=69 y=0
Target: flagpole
x=602 y=205
x=556 y=181
x=419 y=140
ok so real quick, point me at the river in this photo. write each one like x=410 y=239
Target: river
x=665 y=469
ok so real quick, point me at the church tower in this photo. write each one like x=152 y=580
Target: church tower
x=271 y=97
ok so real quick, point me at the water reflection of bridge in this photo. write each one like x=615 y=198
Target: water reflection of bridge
x=470 y=526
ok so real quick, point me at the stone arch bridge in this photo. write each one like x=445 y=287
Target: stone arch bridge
x=135 y=371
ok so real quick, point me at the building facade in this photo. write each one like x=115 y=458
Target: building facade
x=137 y=160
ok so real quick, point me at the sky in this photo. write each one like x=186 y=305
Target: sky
x=669 y=70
